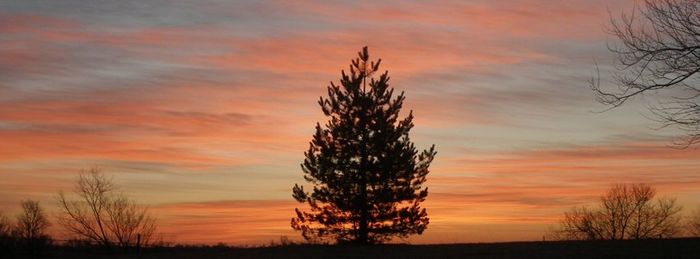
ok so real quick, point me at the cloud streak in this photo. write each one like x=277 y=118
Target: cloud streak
x=203 y=111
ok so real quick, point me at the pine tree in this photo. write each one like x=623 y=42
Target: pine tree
x=367 y=175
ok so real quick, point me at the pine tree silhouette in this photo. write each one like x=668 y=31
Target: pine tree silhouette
x=367 y=175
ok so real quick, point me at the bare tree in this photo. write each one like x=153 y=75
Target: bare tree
x=580 y=224
x=127 y=221
x=694 y=223
x=659 y=49
x=6 y=229
x=5 y=226
x=102 y=216
x=626 y=211
x=32 y=222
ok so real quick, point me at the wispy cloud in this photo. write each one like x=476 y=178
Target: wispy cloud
x=203 y=110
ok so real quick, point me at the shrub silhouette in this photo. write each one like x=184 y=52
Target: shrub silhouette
x=626 y=211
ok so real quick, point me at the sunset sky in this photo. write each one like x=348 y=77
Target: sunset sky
x=202 y=109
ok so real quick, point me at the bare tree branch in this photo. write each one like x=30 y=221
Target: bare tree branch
x=32 y=222
x=658 y=50
x=694 y=223
x=626 y=211
x=101 y=216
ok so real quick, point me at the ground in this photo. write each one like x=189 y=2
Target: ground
x=667 y=248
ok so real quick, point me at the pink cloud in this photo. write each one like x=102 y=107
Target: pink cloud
x=197 y=98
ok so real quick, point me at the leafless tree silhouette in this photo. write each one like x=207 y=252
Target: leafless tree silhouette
x=694 y=223
x=102 y=216
x=32 y=222
x=5 y=226
x=6 y=238
x=626 y=211
x=659 y=54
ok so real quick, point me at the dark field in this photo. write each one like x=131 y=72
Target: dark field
x=667 y=248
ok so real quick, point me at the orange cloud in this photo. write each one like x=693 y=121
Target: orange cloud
x=186 y=115
x=236 y=222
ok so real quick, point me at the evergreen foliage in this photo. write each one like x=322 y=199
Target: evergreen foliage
x=367 y=175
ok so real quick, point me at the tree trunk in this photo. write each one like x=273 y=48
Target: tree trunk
x=362 y=237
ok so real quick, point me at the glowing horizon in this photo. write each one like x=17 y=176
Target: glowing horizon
x=203 y=111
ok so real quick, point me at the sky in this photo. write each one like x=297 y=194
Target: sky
x=202 y=109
